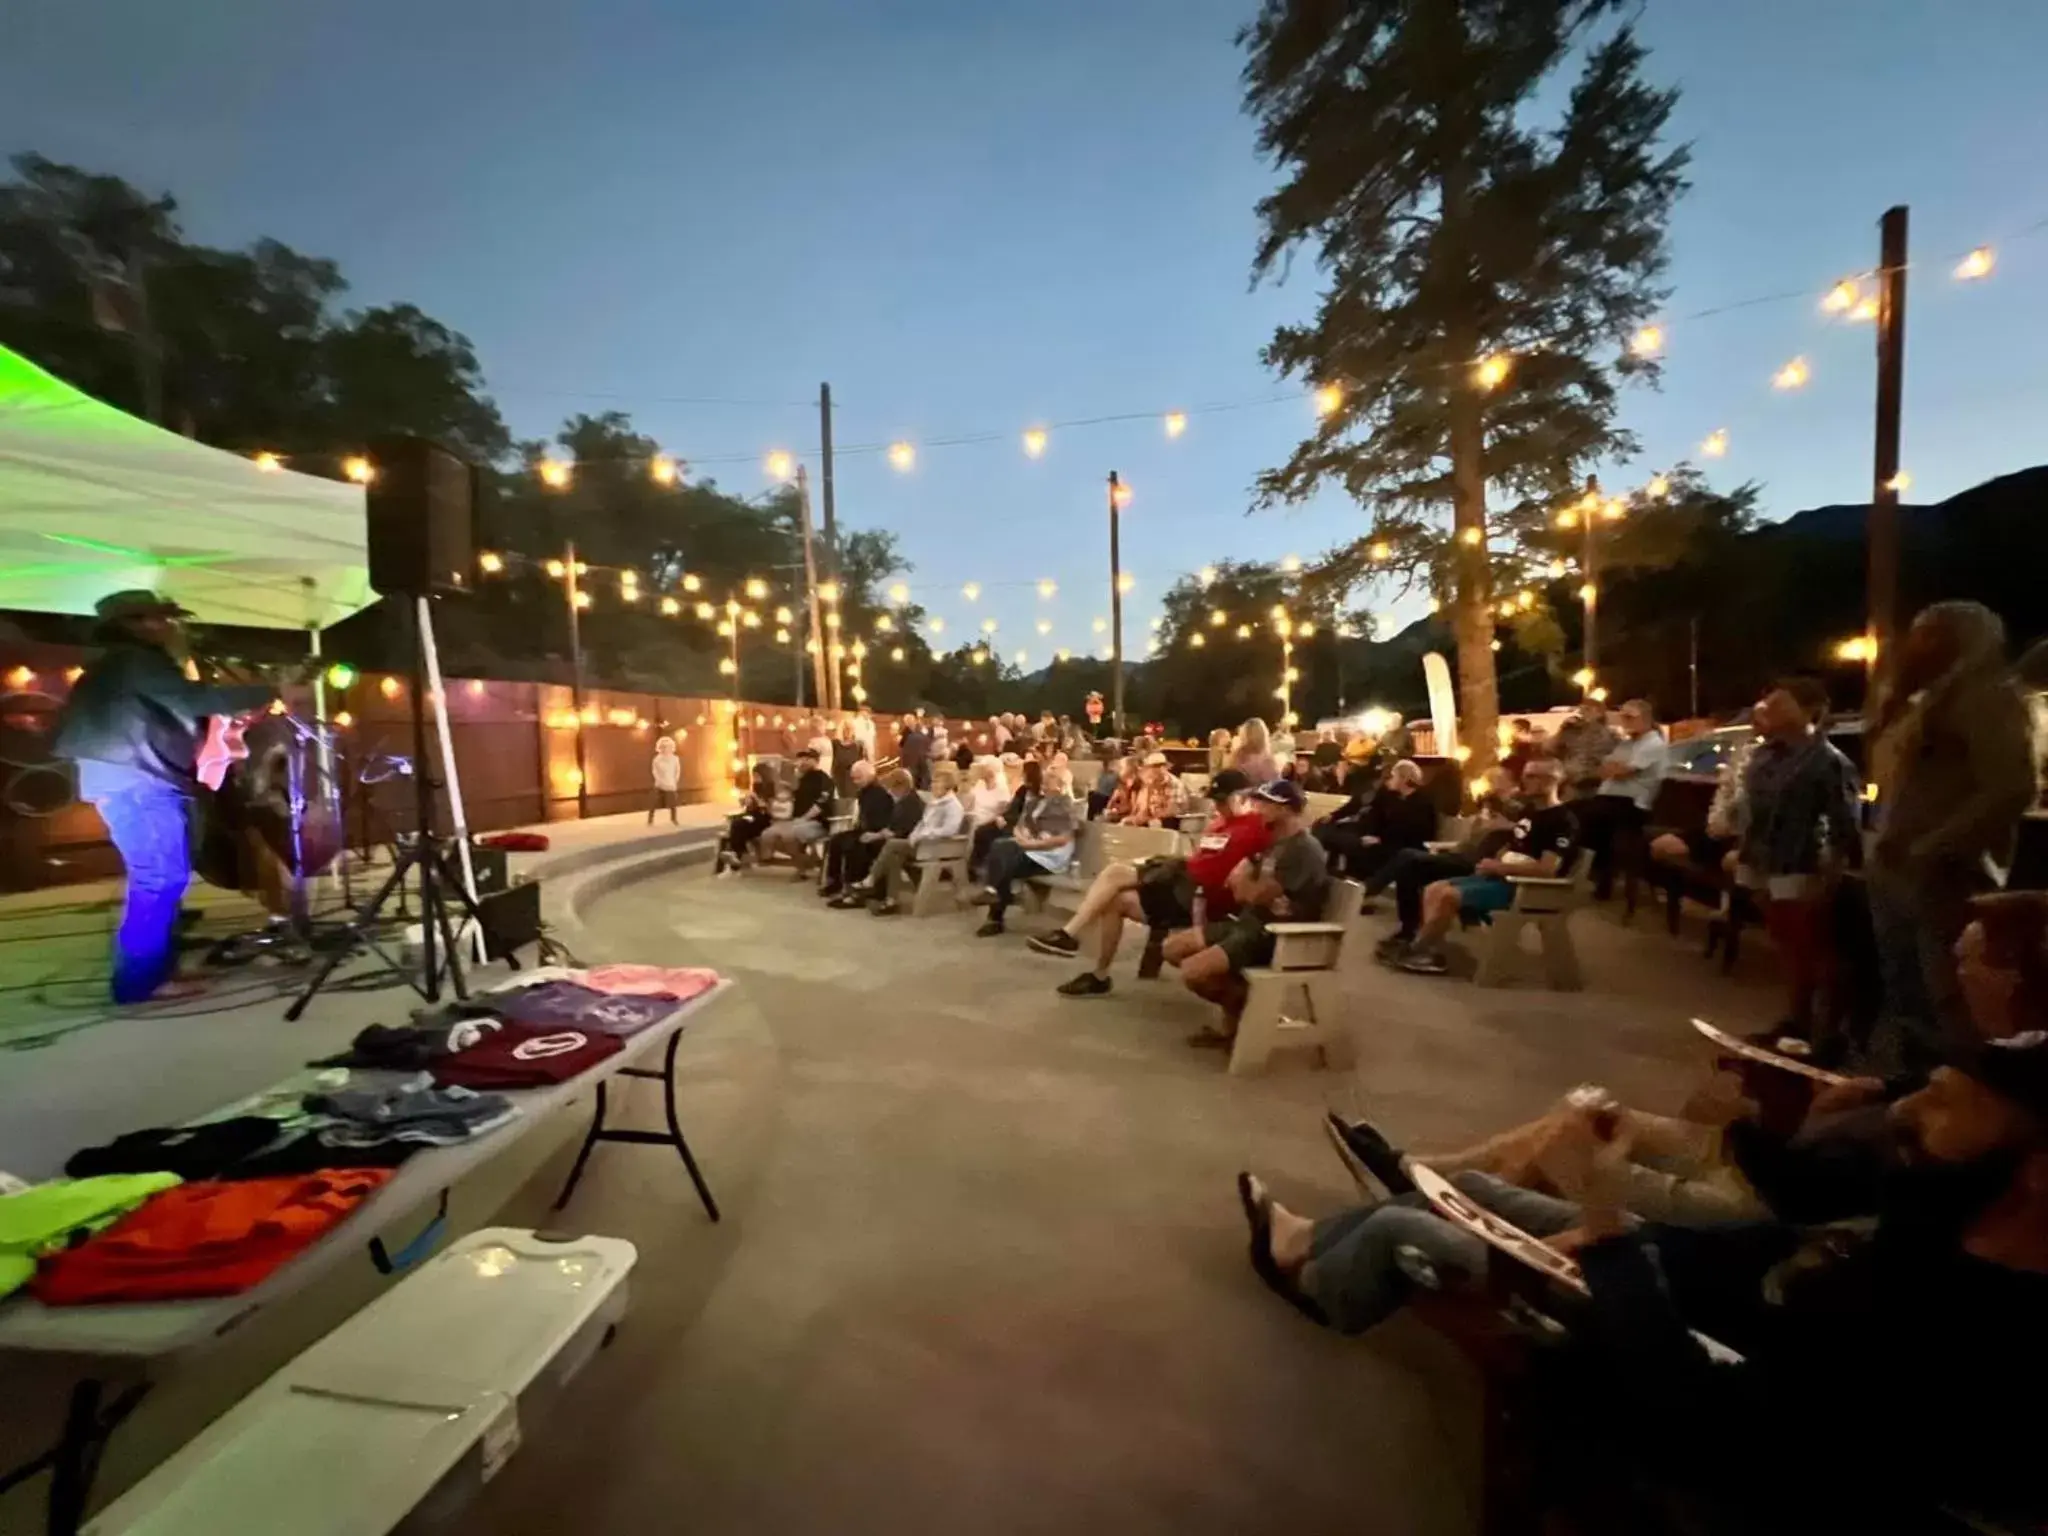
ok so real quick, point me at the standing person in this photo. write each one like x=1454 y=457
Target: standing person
x=998 y=734
x=134 y=725
x=668 y=779
x=1289 y=882
x=820 y=741
x=1252 y=753
x=756 y=814
x=847 y=752
x=1954 y=763
x=1583 y=744
x=942 y=744
x=1283 y=747
x=914 y=752
x=1618 y=811
x=1220 y=747
x=864 y=731
x=1800 y=797
x=1041 y=841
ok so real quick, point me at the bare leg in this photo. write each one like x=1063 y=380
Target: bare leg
x=1109 y=928
x=1114 y=880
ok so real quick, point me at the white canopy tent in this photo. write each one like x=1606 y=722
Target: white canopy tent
x=93 y=500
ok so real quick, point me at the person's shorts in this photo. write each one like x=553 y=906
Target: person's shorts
x=1243 y=940
x=1480 y=896
x=1167 y=903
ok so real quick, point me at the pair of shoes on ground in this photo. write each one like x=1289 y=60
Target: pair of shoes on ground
x=1404 y=954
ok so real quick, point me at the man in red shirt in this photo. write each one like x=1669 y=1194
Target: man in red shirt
x=1162 y=893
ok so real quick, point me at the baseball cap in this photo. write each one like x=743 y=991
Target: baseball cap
x=1231 y=781
x=1283 y=792
x=138 y=603
x=2014 y=1068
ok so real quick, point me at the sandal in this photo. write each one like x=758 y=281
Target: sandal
x=1258 y=1215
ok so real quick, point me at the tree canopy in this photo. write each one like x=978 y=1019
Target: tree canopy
x=1485 y=277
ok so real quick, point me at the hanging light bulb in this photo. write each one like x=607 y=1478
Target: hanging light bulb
x=784 y=616
x=1207 y=575
x=555 y=474
x=1064 y=654
x=1329 y=399
x=1176 y=423
x=936 y=626
x=1047 y=587
x=1492 y=371
x=1218 y=618
x=359 y=469
x=1018 y=657
x=1716 y=445
x=582 y=599
x=828 y=592
x=490 y=562
x=902 y=457
x=1244 y=631
x=1034 y=443
x=1045 y=626
x=782 y=637
x=1196 y=641
x=1842 y=297
x=1380 y=550
x=1472 y=536
x=895 y=653
x=972 y=591
x=1121 y=496
x=883 y=623
x=270 y=463
x=756 y=588
x=1792 y=375
x=1977 y=264
x=988 y=626
x=1125 y=582
x=1900 y=483
x=693 y=582
x=1557 y=568
x=1865 y=309
x=1100 y=626
x=1648 y=341
x=1588 y=593
x=899 y=592
x=781 y=466
x=1659 y=487
x=662 y=469
x=1291 y=564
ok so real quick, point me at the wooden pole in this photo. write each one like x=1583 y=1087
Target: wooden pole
x=1116 y=611
x=571 y=591
x=819 y=674
x=1883 y=529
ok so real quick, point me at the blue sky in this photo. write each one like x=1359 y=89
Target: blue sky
x=972 y=217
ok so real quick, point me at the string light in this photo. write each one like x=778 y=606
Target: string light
x=883 y=623
x=1491 y=372
x=1196 y=641
x=902 y=457
x=751 y=619
x=1034 y=443
x=1121 y=496
x=1380 y=551
x=1583 y=678
x=1588 y=593
x=556 y=569
x=896 y=653
x=390 y=687
x=1557 y=568
x=725 y=629
x=936 y=626
x=1018 y=657
x=1329 y=399
x=832 y=619
x=1176 y=423
x=554 y=474
x=1659 y=487
x=1100 y=626
x=988 y=626
x=1291 y=564
x=1047 y=587
x=784 y=616
x=1977 y=264
x=1901 y=482
x=726 y=666
x=1064 y=654
x=1865 y=310
x=1473 y=536
x=1792 y=375
x=1218 y=617
x=269 y=463
x=828 y=592
x=972 y=591
x=1842 y=297
x=705 y=610
x=1615 y=510
x=782 y=637
x=1244 y=631
x=980 y=656
x=359 y=469
x=663 y=469
x=780 y=466
x=1045 y=626
x=756 y=588
x=1207 y=575
x=1126 y=582
x=1716 y=445
x=490 y=562
x=1856 y=648
x=1648 y=341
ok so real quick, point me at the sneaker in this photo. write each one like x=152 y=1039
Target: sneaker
x=989 y=929
x=1374 y=1162
x=1425 y=962
x=1392 y=947
x=1087 y=984
x=1058 y=942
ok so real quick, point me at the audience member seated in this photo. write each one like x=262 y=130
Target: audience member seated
x=1937 y=1304
x=1545 y=840
x=1412 y=871
x=1164 y=894
x=1325 y=761
x=1288 y=882
x=1108 y=784
x=911 y=822
x=986 y=835
x=984 y=794
x=810 y=811
x=1041 y=841
x=1150 y=797
x=756 y=812
x=1611 y=820
x=1361 y=835
x=1522 y=747
x=872 y=803
x=1712 y=848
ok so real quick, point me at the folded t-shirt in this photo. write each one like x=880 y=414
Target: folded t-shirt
x=44 y=1217
x=527 y=1056
x=408 y=1047
x=572 y=1004
x=190 y=1151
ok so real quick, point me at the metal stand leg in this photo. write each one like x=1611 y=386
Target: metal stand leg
x=672 y=1137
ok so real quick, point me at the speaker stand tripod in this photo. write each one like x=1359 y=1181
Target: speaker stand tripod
x=437 y=884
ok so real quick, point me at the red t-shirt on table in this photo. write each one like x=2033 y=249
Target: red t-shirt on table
x=1224 y=844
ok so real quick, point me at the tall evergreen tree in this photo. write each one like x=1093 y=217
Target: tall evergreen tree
x=1487 y=275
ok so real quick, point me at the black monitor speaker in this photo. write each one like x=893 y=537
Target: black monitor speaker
x=421 y=506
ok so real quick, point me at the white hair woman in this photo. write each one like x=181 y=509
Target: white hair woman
x=1253 y=756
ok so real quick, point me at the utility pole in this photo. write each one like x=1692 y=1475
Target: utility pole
x=1117 y=496
x=575 y=595
x=819 y=673
x=1882 y=533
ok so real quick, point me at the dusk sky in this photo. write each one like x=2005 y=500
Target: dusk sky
x=973 y=218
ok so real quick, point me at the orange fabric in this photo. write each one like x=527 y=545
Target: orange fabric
x=209 y=1238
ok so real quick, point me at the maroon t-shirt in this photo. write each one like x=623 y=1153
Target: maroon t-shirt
x=527 y=1056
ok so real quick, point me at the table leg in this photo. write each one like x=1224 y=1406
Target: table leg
x=75 y=1461
x=672 y=1137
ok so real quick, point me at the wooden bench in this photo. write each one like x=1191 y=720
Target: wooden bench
x=1098 y=844
x=935 y=864
x=1303 y=977
x=1545 y=904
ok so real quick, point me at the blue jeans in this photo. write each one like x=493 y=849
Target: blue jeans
x=1916 y=920
x=1355 y=1271
x=151 y=825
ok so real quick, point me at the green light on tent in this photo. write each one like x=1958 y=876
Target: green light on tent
x=340 y=675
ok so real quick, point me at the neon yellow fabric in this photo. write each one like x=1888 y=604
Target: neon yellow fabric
x=45 y=1217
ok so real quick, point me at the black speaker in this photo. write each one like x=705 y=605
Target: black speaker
x=421 y=507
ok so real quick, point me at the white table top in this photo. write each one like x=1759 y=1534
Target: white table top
x=150 y=1330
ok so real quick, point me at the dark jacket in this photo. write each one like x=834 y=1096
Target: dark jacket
x=871 y=814
x=1792 y=790
x=1955 y=767
x=1400 y=821
x=813 y=796
x=133 y=707
x=905 y=814
x=914 y=748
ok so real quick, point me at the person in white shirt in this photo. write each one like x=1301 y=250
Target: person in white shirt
x=821 y=741
x=998 y=734
x=1619 y=810
x=864 y=732
x=987 y=795
x=942 y=742
x=944 y=816
x=668 y=779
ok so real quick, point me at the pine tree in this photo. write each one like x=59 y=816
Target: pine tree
x=1487 y=278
